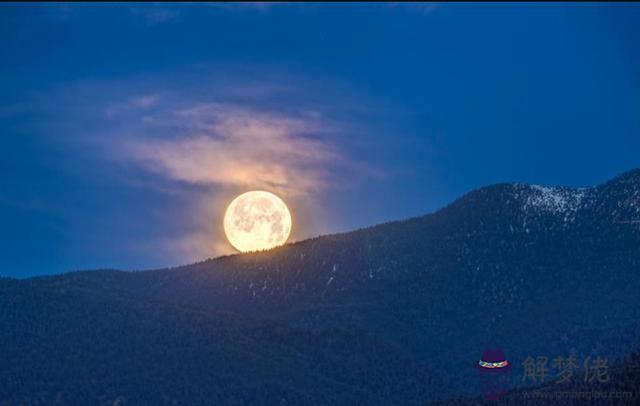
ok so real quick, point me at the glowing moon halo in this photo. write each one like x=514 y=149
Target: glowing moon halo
x=256 y=221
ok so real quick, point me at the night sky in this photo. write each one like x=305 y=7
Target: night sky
x=127 y=129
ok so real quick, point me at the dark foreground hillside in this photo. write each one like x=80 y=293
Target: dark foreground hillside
x=394 y=314
x=71 y=346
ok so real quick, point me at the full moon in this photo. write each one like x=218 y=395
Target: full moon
x=256 y=221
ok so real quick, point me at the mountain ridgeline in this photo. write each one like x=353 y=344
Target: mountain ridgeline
x=393 y=314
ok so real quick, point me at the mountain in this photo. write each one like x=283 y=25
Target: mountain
x=393 y=314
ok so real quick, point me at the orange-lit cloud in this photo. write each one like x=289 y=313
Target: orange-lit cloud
x=195 y=147
x=232 y=146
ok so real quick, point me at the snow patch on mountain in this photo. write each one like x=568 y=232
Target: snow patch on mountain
x=554 y=200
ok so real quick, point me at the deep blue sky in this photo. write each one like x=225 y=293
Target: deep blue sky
x=125 y=129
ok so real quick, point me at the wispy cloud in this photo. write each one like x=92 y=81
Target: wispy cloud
x=422 y=7
x=146 y=101
x=197 y=141
x=155 y=14
x=259 y=6
x=158 y=13
x=227 y=145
